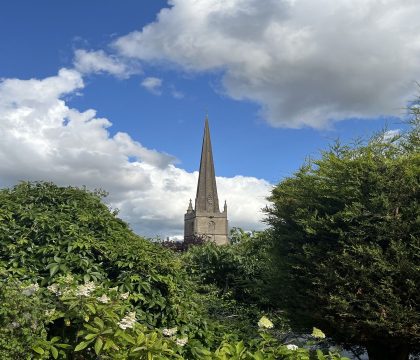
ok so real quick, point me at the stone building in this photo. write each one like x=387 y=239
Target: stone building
x=206 y=219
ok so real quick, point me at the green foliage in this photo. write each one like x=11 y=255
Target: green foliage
x=96 y=320
x=20 y=318
x=47 y=231
x=234 y=283
x=241 y=269
x=346 y=231
x=76 y=283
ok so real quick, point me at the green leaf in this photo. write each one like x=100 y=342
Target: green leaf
x=109 y=344
x=91 y=328
x=38 y=350
x=140 y=339
x=91 y=308
x=320 y=355
x=90 y=336
x=98 y=345
x=258 y=356
x=127 y=337
x=54 y=339
x=82 y=345
x=54 y=269
x=99 y=322
x=54 y=352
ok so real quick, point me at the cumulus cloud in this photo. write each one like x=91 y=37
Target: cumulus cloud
x=42 y=138
x=88 y=62
x=153 y=85
x=307 y=63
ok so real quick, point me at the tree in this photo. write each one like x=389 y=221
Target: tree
x=346 y=231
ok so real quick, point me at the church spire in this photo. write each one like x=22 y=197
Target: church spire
x=206 y=219
x=206 y=199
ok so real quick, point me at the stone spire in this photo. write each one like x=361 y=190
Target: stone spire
x=206 y=199
x=206 y=220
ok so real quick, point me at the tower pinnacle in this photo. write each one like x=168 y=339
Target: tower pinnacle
x=190 y=208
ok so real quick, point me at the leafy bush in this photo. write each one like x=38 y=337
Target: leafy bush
x=234 y=283
x=48 y=231
x=241 y=269
x=347 y=239
x=21 y=317
x=76 y=283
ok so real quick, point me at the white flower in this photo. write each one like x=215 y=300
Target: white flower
x=124 y=296
x=170 y=332
x=86 y=289
x=292 y=347
x=49 y=312
x=54 y=289
x=30 y=290
x=103 y=299
x=182 y=341
x=128 y=321
x=265 y=323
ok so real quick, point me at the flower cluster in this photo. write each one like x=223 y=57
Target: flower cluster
x=292 y=347
x=103 y=299
x=317 y=333
x=14 y=325
x=54 y=289
x=49 y=313
x=128 y=321
x=170 y=332
x=124 y=296
x=30 y=290
x=265 y=323
x=181 y=341
x=86 y=289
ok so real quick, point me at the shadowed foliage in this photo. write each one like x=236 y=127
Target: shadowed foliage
x=346 y=230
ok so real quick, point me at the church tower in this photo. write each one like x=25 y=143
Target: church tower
x=206 y=219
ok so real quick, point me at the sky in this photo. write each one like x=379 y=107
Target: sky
x=113 y=95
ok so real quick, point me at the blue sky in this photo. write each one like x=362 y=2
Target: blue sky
x=279 y=80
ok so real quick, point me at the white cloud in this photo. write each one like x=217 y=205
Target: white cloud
x=306 y=62
x=391 y=134
x=153 y=85
x=42 y=138
x=88 y=62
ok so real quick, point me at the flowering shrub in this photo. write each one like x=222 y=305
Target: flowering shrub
x=76 y=283
x=20 y=314
x=67 y=318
